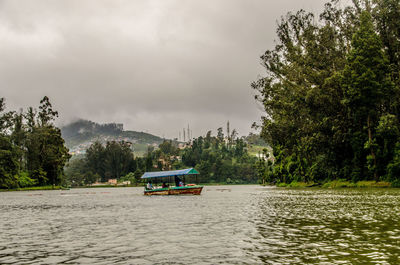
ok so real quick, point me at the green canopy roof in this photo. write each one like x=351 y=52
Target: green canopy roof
x=161 y=174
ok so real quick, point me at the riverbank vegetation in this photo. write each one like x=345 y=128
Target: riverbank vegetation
x=219 y=159
x=331 y=94
x=337 y=183
x=51 y=187
x=32 y=151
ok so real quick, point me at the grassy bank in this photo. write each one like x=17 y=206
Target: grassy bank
x=63 y=188
x=159 y=184
x=106 y=186
x=340 y=183
x=35 y=188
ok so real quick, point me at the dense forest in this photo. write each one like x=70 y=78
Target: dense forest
x=32 y=151
x=331 y=95
x=223 y=159
x=219 y=159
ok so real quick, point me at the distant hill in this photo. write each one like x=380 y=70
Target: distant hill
x=80 y=134
x=255 y=139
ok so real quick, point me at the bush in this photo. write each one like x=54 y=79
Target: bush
x=25 y=181
x=296 y=184
x=373 y=184
x=39 y=175
x=396 y=183
x=129 y=177
x=340 y=183
x=393 y=168
x=8 y=181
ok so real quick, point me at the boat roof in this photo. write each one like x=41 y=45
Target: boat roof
x=161 y=174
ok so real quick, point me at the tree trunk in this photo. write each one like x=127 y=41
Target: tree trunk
x=371 y=148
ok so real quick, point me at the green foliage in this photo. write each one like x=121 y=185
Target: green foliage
x=112 y=161
x=138 y=173
x=264 y=167
x=393 y=168
x=39 y=175
x=342 y=183
x=90 y=178
x=75 y=171
x=95 y=159
x=255 y=139
x=395 y=183
x=367 y=87
x=118 y=158
x=25 y=181
x=32 y=151
x=8 y=163
x=331 y=94
x=130 y=177
x=339 y=183
x=46 y=152
x=296 y=184
x=168 y=148
x=220 y=159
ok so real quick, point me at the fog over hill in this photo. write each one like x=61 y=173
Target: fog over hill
x=79 y=135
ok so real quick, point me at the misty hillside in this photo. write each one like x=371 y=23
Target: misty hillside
x=80 y=134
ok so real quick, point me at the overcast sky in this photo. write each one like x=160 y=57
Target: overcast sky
x=154 y=66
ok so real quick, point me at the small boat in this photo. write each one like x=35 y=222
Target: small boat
x=166 y=176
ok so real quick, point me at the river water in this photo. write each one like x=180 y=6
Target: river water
x=224 y=225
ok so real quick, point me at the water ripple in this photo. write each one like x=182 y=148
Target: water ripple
x=248 y=225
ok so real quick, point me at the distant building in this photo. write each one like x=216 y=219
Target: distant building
x=112 y=181
x=97 y=183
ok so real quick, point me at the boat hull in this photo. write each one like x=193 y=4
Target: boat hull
x=187 y=190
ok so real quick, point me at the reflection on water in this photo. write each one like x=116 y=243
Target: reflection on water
x=327 y=226
x=228 y=225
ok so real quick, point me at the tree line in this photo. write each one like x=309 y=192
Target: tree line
x=32 y=151
x=331 y=94
x=114 y=160
x=219 y=159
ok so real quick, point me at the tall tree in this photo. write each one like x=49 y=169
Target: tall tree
x=96 y=159
x=118 y=157
x=366 y=85
x=304 y=116
x=332 y=95
x=18 y=137
x=8 y=154
x=46 y=150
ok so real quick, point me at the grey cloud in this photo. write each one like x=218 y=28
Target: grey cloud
x=153 y=65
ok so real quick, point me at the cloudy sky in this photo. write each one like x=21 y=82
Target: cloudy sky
x=154 y=65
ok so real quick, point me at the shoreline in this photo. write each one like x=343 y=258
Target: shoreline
x=104 y=186
x=35 y=188
x=337 y=184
